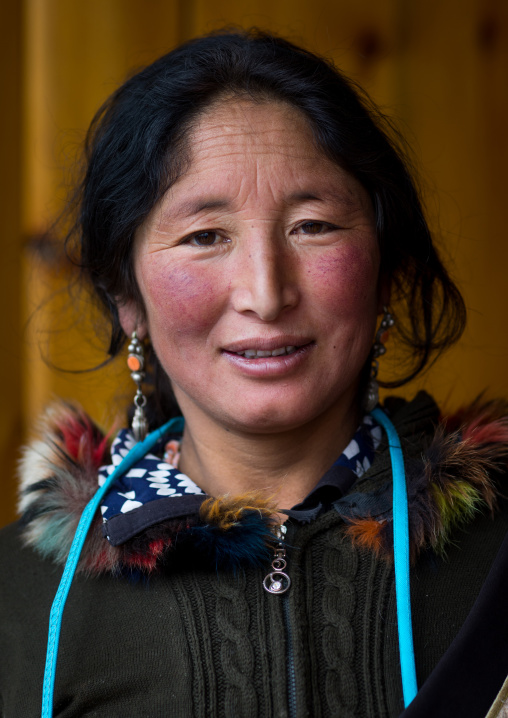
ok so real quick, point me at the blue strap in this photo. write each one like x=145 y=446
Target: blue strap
x=401 y=551
x=55 y=617
x=401 y=558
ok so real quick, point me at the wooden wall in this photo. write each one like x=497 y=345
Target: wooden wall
x=11 y=353
x=439 y=66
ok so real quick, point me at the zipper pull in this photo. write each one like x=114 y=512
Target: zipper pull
x=277 y=581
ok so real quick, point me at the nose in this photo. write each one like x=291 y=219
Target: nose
x=265 y=281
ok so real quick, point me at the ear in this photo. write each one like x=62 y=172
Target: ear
x=132 y=319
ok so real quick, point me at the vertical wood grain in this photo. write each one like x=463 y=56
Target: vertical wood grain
x=77 y=54
x=439 y=66
x=11 y=121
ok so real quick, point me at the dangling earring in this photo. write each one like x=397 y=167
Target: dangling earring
x=136 y=364
x=378 y=349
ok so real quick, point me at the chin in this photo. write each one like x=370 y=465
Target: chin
x=275 y=419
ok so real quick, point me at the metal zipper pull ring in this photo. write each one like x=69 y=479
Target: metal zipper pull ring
x=277 y=581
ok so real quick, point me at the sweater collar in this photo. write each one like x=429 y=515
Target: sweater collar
x=153 y=490
x=452 y=465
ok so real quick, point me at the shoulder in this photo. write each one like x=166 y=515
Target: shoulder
x=58 y=475
x=22 y=569
x=456 y=470
x=68 y=449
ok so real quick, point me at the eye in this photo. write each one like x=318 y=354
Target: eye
x=205 y=239
x=314 y=228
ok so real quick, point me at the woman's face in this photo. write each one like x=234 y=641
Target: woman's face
x=259 y=274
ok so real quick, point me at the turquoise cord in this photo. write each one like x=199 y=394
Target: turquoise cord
x=401 y=551
x=401 y=559
x=55 y=617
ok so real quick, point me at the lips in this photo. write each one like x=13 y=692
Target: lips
x=265 y=347
x=262 y=354
x=275 y=362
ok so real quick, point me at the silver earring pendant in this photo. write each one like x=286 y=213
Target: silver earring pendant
x=136 y=364
x=378 y=349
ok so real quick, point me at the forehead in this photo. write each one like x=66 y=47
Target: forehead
x=262 y=149
x=241 y=124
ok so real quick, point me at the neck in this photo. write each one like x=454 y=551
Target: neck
x=283 y=466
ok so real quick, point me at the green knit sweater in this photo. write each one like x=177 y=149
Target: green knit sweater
x=201 y=643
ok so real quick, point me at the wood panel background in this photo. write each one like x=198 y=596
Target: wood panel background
x=439 y=66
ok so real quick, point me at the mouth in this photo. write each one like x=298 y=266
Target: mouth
x=268 y=358
x=263 y=354
x=268 y=349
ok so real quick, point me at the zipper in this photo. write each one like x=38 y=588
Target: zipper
x=278 y=582
x=291 y=682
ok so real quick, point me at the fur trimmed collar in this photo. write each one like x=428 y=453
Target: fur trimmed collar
x=452 y=464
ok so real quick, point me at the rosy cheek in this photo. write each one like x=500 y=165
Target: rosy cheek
x=184 y=299
x=345 y=277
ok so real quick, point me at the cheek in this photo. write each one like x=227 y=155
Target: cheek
x=182 y=299
x=345 y=280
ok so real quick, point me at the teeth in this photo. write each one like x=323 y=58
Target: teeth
x=258 y=354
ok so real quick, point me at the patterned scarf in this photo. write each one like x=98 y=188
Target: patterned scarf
x=153 y=478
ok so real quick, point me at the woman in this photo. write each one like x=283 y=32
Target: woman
x=246 y=222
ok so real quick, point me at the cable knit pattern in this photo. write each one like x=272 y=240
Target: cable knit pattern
x=340 y=565
x=193 y=608
x=236 y=653
x=197 y=641
x=384 y=612
x=371 y=622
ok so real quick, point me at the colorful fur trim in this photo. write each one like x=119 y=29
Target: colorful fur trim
x=454 y=478
x=229 y=533
x=226 y=512
x=59 y=477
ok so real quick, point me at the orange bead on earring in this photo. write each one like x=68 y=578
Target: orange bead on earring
x=136 y=364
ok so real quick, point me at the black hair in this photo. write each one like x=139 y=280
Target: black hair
x=136 y=148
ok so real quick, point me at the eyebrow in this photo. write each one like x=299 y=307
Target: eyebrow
x=343 y=198
x=192 y=208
